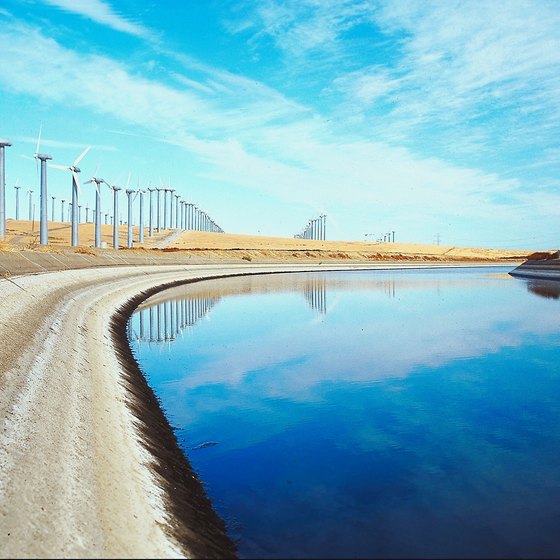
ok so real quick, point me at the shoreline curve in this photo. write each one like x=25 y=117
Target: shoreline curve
x=82 y=470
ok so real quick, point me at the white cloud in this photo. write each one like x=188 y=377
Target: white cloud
x=467 y=60
x=60 y=144
x=102 y=13
x=300 y=26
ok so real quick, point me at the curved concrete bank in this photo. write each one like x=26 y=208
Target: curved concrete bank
x=547 y=269
x=88 y=464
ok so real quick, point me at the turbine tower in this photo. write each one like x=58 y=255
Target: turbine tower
x=177 y=197
x=97 y=219
x=52 y=209
x=141 y=217
x=115 y=214
x=43 y=197
x=3 y=144
x=62 y=209
x=129 y=193
x=30 y=193
x=151 y=215
x=75 y=192
x=165 y=191
x=17 y=200
x=158 y=209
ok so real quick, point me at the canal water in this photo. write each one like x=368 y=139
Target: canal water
x=367 y=413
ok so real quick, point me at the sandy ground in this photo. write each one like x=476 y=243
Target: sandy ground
x=24 y=235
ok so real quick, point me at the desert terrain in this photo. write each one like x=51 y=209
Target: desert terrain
x=24 y=235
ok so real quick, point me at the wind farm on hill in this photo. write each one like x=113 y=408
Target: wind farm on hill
x=171 y=223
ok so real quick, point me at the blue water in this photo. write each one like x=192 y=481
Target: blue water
x=367 y=414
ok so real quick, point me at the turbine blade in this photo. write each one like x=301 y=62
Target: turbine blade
x=128 y=180
x=39 y=139
x=55 y=166
x=88 y=182
x=76 y=178
x=79 y=158
x=27 y=157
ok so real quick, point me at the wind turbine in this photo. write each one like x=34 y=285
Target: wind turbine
x=17 y=199
x=97 y=220
x=43 y=199
x=165 y=191
x=116 y=211
x=171 y=212
x=3 y=144
x=75 y=192
x=129 y=193
x=141 y=217
x=158 y=223
x=115 y=214
x=177 y=197
x=151 y=215
x=62 y=209
x=30 y=193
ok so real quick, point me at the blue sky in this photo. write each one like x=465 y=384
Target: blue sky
x=420 y=117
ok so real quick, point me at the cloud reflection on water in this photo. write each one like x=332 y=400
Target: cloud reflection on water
x=416 y=417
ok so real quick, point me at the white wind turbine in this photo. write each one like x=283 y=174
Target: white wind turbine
x=75 y=192
x=43 y=199
x=97 y=220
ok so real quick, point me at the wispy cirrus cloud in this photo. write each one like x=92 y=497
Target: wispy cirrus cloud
x=468 y=73
x=298 y=27
x=104 y=14
x=470 y=81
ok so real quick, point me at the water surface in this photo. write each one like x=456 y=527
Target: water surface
x=367 y=414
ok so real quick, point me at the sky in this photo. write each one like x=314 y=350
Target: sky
x=433 y=119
